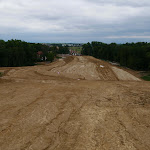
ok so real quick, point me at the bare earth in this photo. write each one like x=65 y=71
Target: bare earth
x=79 y=103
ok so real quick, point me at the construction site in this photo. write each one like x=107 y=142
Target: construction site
x=76 y=103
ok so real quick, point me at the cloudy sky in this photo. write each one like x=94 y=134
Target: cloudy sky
x=75 y=20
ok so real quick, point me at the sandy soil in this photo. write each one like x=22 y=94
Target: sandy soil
x=123 y=75
x=79 y=103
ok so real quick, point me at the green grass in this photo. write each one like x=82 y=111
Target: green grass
x=78 y=49
x=147 y=78
x=58 y=57
x=1 y=74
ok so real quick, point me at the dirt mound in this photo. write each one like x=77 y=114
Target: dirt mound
x=50 y=107
x=80 y=68
x=68 y=59
x=123 y=75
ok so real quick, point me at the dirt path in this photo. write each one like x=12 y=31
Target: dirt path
x=87 y=68
x=86 y=106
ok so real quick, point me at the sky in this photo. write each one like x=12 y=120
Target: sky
x=78 y=21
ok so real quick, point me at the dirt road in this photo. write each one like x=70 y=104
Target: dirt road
x=79 y=103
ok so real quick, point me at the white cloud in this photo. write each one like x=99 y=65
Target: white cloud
x=82 y=18
x=134 y=37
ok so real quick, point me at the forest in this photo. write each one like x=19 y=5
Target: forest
x=14 y=53
x=132 y=55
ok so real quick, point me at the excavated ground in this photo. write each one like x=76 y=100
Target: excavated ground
x=79 y=103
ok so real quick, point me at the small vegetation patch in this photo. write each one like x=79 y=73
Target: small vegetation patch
x=77 y=49
x=58 y=57
x=147 y=78
x=1 y=74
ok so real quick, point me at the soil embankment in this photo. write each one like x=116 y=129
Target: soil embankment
x=79 y=103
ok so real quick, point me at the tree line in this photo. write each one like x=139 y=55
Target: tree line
x=15 y=53
x=132 y=55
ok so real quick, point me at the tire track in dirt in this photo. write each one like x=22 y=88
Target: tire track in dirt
x=62 y=124
x=79 y=67
x=19 y=114
x=52 y=111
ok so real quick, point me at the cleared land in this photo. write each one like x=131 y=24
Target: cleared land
x=79 y=103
